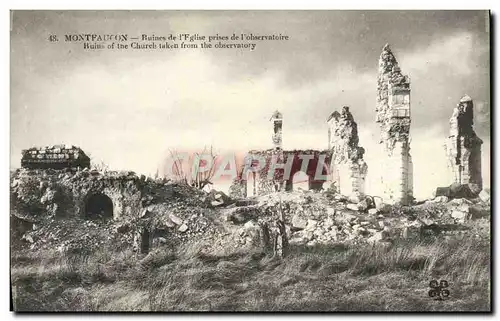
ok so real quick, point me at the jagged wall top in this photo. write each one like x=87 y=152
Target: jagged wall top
x=344 y=138
x=387 y=60
x=388 y=66
x=55 y=157
x=277 y=115
x=462 y=121
x=390 y=81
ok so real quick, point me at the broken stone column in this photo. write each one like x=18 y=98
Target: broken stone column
x=348 y=169
x=393 y=116
x=277 y=119
x=463 y=147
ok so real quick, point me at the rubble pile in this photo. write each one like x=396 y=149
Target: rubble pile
x=50 y=202
x=178 y=220
x=174 y=214
x=174 y=222
x=77 y=236
x=311 y=218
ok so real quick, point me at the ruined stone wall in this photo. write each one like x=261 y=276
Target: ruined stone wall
x=348 y=169
x=265 y=184
x=398 y=175
x=393 y=116
x=463 y=147
x=63 y=193
x=55 y=157
x=238 y=188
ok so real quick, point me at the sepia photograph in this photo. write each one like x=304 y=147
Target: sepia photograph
x=250 y=161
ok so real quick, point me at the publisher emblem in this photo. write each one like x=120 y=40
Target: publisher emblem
x=439 y=290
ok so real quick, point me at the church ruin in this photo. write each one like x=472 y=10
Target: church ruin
x=344 y=161
x=393 y=116
x=463 y=146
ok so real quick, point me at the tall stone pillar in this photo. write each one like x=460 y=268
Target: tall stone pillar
x=278 y=181
x=348 y=169
x=463 y=147
x=393 y=116
x=277 y=137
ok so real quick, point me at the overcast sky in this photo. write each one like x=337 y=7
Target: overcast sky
x=127 y=108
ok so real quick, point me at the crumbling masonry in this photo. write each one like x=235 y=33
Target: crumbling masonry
x=266 y=179
x=463 y=147
x=344 y=158
x=393 y=116
x=348 y=169
x=54 y=157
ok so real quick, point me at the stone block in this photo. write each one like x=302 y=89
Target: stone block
x=459 y=215
x=352 y=207
x=311 y=224
x=377 y=237
x=216 y=203
x=145 y=213
x=299 y=222
x=318 y=233
x=378 y=202
x=250 y=225
x=169 y=223
x=328 y=223
x=477 y=212
x=440 y=199
x=484 y=196
x=363 y=205
x=175 y=219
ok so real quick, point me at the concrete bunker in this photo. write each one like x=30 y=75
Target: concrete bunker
x=98 y=206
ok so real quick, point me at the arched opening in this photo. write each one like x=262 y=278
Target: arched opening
x=300 y=181
x=98 y=206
